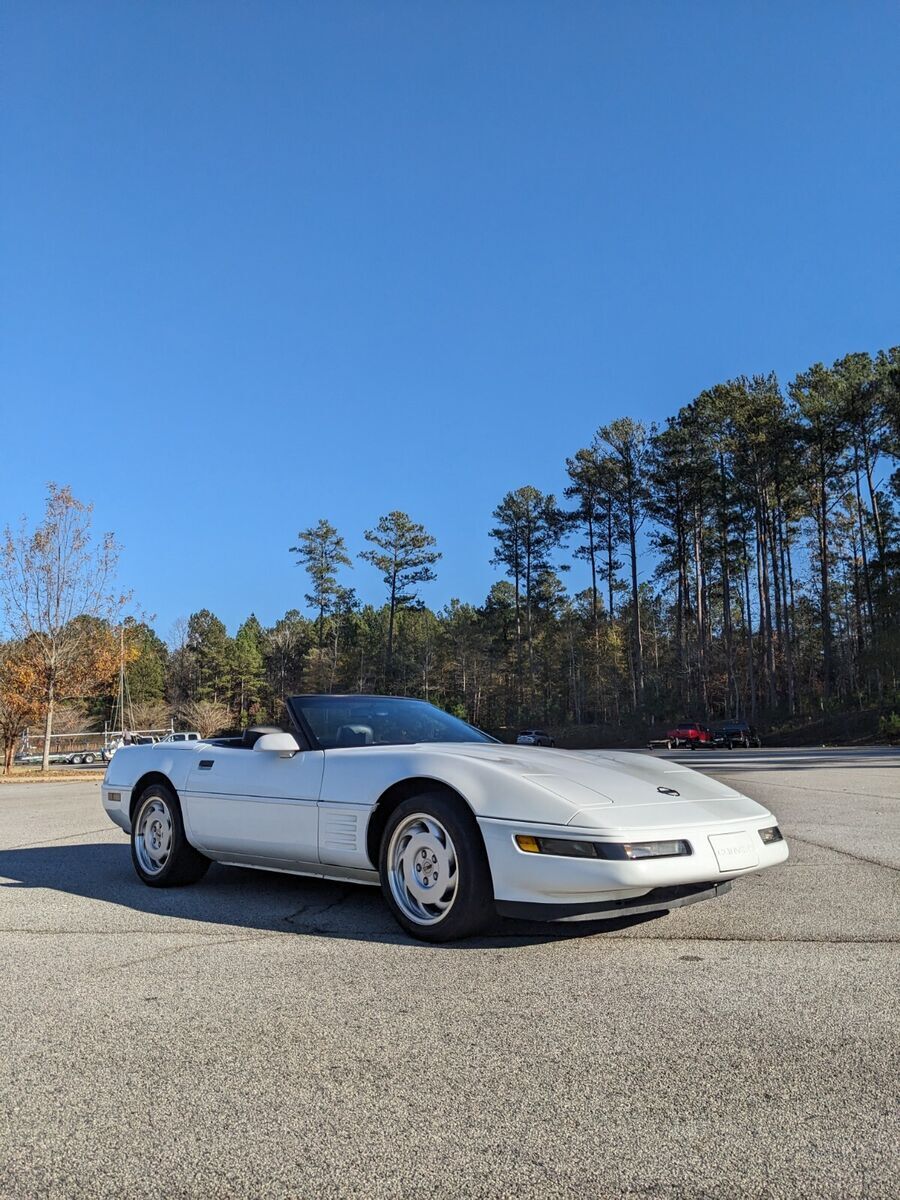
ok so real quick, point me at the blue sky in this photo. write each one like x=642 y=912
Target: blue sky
x=265 y=262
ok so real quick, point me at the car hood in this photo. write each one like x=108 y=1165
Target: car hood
x=607 y=789
x=617 y=776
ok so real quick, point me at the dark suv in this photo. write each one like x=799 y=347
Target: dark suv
x=735 y=733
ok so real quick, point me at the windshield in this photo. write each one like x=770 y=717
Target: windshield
x=340 y=721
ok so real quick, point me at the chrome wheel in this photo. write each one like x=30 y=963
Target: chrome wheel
x=153 y=833
x=423 y=870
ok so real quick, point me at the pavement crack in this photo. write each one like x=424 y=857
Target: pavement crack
x=196 y=944
x=862 y=858
x=316 y=910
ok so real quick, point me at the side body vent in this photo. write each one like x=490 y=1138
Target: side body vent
x=342 y=829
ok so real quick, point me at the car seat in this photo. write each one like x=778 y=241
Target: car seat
x=354 y=735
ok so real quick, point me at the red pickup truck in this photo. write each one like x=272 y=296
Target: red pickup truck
x=690 y=733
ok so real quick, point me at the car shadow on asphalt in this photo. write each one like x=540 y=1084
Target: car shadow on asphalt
x=252 y=900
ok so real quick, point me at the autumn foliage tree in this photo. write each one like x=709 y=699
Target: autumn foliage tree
x=57 y=588
x=20 y=699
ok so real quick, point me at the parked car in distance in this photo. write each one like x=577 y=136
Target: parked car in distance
x=534 y=737
x=735 y=733
x=689 y=733
x=146 y=739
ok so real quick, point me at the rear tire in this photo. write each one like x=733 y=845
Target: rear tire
x=434 y=870
x=88 y=758
x=162 y=855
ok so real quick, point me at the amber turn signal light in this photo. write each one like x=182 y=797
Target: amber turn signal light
x=527 y=843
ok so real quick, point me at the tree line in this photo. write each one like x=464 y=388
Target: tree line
x=767 y=517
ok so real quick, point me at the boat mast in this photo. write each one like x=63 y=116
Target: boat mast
x=122 y=677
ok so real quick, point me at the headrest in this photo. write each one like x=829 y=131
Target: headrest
x=251 y=736
x=355 y=735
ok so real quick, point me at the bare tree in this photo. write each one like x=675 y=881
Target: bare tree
x=150 y=714
x=205 y=716
x=56 y=583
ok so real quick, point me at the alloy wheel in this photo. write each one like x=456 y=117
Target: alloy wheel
x=423 y=870
x=153 y=835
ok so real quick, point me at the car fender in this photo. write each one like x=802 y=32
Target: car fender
x=174 y=760
x=362 y=775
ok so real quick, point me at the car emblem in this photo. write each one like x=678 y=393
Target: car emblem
x=668 y=791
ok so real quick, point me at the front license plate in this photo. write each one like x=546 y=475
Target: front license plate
x=734 y=851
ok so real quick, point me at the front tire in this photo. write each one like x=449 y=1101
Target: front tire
x=434 y=870
x=162 y=855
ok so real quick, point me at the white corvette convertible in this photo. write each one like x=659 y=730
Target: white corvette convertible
x=452 y=824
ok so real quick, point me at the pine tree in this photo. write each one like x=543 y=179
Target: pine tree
x=321 y=551
x=629 y=448
x=405 y=556
x=529 y=526
x=248 y=668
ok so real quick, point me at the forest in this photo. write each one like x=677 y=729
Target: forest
x=741 y=559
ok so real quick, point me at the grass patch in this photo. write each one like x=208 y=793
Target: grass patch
x=54 y=775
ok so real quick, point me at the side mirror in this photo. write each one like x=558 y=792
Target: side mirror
x=283 y=744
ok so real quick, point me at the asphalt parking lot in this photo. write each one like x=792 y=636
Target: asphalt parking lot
x=259 y=1035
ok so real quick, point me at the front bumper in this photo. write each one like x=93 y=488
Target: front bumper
x=116 y=802
x=592 y=883
x=657 y=900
